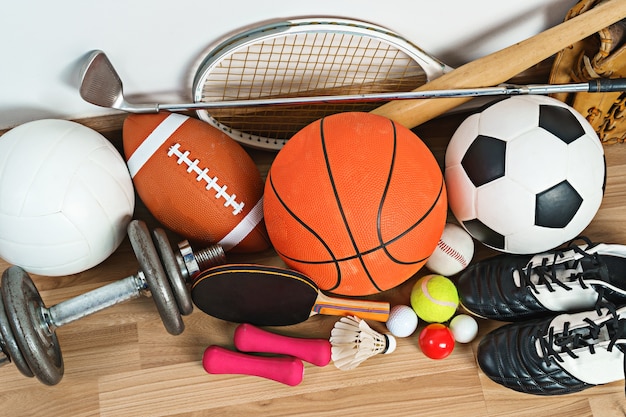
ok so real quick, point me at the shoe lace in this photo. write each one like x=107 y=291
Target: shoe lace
x=547 y=272
x=554 y=345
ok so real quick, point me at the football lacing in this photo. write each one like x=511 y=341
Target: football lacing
x=201 y=175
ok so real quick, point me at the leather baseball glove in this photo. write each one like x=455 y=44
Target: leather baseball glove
x=602 y=55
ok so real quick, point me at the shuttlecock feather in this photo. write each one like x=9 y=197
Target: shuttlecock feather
x=353 y=341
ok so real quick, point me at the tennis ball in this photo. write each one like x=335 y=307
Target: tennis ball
x=434 y=298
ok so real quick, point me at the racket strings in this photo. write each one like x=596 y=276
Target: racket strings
x=300 y=65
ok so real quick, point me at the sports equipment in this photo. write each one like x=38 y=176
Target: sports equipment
x=102 y=86
x=502 y=65
x=436 y=341
x=354 y=341
x=27 y=327
x=453 y=253
x=314 y=49
x=528 y=183
x=402 y=321
x=271 y=296
x=196 y=180
x=464 y=328
x=557 y=355
x=249 y=338
x=516 y=287
x=286 y=370
x=65 y=197
x=434 y=298
x=595 y=56
x=356 y=202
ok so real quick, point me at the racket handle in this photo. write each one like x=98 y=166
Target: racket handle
x=364 y=309
x=286 y=370
x=249 y=338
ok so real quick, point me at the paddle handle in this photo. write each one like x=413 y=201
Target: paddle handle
x=503 y=65
x=364 y=309
x=286 y=370
x=249 y=338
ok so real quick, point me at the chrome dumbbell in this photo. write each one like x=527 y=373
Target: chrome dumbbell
x=27 y=326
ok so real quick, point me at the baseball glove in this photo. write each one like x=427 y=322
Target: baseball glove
x=602 y=55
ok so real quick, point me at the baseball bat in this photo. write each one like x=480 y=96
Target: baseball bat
x=502 y=65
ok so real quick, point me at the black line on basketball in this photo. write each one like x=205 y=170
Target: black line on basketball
x=420 y=220
x=341 y=210
x=303 y=224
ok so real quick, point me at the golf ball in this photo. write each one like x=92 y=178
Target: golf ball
x=402 y=321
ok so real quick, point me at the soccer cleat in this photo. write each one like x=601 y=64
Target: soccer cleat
x=517 y=287
x=560 y=355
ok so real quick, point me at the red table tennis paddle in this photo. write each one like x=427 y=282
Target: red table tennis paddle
x=272 y=296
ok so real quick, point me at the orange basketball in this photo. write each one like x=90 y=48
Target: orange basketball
x=356 y=202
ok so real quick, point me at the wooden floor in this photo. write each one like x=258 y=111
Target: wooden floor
x=122 y=362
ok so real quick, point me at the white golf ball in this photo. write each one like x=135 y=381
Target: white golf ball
x=464 y=328
x=402 y=321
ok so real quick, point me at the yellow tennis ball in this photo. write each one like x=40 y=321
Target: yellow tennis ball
x=434 y=298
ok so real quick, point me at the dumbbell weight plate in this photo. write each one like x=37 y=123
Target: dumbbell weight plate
x=38 y=344
x=11 y=344
x=156 y=279
x=177 y=282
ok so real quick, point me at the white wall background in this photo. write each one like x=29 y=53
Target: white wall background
x=154 y=44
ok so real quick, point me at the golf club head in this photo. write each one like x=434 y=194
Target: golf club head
x=101 y=85
x=99 y=82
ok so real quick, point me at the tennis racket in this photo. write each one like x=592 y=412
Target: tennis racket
x=325 y=57
x=300 y=58
x=272 y=296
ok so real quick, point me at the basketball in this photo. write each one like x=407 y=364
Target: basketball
x=356 y=202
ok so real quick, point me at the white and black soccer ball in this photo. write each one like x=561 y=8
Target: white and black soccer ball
x=525 y=175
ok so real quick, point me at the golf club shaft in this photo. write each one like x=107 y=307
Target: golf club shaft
x=599 y=85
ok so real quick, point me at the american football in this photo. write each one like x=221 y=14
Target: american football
x=196 y=181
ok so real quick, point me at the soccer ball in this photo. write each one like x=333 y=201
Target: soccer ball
x=525 y=175
x=66 y=197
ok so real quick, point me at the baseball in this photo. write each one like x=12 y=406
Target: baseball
x=453 y=253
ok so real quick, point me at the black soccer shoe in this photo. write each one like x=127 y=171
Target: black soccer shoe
x=555 y=356
x=517 y=287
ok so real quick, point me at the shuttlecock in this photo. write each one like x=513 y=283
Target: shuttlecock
x=353 y=341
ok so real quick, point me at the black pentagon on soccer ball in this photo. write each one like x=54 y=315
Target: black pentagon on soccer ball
x=484 y=233
x=484 y=160
x=561 y=122
x=557 y=206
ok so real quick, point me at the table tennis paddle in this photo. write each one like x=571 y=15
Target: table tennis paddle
x=272 y=296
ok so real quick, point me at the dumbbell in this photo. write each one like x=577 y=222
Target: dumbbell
x=27 y=326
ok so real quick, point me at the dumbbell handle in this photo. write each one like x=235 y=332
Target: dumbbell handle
x=249 y=338
x=96 y=300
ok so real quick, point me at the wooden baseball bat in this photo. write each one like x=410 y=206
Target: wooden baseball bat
x=503 y=65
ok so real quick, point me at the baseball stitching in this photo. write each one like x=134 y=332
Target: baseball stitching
x=453 y=253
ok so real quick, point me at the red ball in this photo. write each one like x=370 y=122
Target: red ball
x=436 y=341
x=355 y=201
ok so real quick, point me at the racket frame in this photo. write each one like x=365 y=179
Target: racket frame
x=224 y=49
